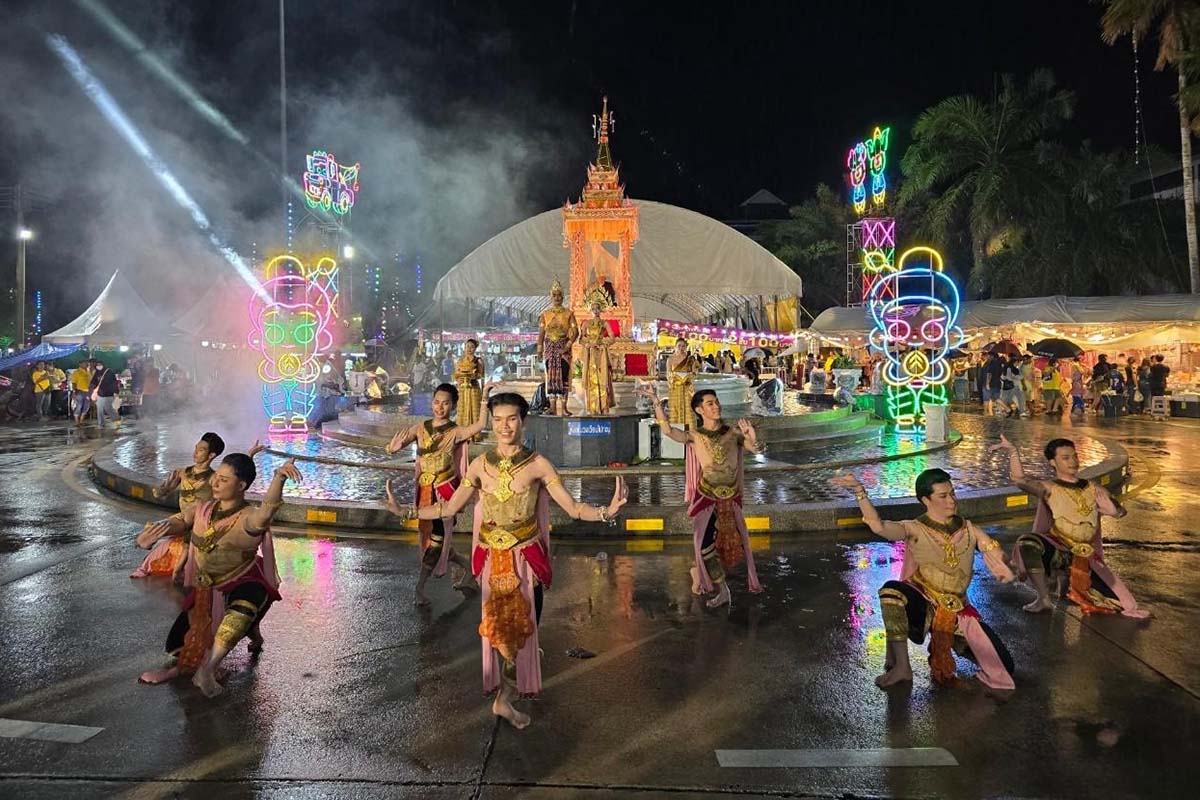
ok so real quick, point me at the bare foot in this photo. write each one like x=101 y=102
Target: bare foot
x=893 y=676
x=722 y=597
x=503 y=707
x=206 y=682
x=466 y=582
x=138 y=573
x=159 y=675
x=419 y=599
x=695 y=573
x=1038 y=606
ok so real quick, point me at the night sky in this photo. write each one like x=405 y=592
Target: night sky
x=470 y=116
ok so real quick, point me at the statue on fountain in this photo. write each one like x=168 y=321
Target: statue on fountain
x=557 y=331
x=594 y=339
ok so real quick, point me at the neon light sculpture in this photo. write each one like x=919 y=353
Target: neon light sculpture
x=292 y=332
x=856 y=162
x=329 y=185
x=876 y=148
x=878 y=253
x=915 y=329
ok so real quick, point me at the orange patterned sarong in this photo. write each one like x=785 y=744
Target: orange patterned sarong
x=506 y=623
x=199 y=637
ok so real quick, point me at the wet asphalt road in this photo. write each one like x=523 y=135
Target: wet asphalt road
x=360 y=695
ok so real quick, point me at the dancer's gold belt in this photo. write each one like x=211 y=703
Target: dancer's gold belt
x=718 y=492
x=947 y=600
x=1081 y=549
x=432 y=478
x=499 y=538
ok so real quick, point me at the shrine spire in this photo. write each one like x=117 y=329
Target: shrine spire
x=600 y=129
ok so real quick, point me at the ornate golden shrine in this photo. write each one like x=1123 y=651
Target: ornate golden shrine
x=600 y=231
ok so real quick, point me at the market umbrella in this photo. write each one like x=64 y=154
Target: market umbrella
x=1056 y=348
x=754 y=352
x=1004 y=347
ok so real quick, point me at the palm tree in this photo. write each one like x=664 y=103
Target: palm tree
x=1174 y=20
x=979 y=164
x=813 y=243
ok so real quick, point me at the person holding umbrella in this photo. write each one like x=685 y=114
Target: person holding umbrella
x=1052 y=383
x=990 y=379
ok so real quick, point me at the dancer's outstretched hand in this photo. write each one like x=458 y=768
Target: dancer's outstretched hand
x=847 y=481
x=256 y=448
x=1004 y=444
x=648 y=390
x=290 y=471
x=747 y=430
x=404 y=513
x=152 y=533
x=488 y=387
x=620 y=497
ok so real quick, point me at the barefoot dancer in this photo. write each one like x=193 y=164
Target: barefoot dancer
x=713 y=452
x=168 y=556
x=1066 y=535
x=511 y=549
x=931 y=595
x=233 y=586
x=441 y=461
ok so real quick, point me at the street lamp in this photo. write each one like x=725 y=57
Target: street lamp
x=24 y=234
x=347 y=251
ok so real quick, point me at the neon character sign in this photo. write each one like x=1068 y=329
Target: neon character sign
x=876 y=148
x=856 y=162
x=292 y=332
x=914 y=330
x=329 y=185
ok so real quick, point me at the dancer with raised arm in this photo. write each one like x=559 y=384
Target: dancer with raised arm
x=931 y=596
x=441 y=462
x=1066 y=535
x=715 y=472
x=511 y=549
x=230 y=569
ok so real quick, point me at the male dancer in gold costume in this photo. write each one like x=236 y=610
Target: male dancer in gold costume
x=511 y=549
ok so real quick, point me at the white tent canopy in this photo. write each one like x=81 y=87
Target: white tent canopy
x=1056 y=310
x=684 y=266
x=117 y=316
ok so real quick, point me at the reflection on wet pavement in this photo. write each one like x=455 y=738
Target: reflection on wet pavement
x=360 y=694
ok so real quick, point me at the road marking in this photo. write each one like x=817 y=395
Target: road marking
x=46 y=731
x=809 y=759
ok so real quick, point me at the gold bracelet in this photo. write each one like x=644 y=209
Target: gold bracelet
x=990 y=546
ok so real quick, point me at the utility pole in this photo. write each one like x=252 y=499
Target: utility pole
x=20 y=201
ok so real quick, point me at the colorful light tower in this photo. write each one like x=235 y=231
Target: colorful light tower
x=915 y=310
x=871 y=242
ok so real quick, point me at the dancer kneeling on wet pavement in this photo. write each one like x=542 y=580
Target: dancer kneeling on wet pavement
x=441 y=462
x=230 y=570
x=511 y=549
x=169 y=555
x=714 y=472
x=931 y=595
x=1066 y=535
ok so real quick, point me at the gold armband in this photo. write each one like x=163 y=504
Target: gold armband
x=989 y=546
x=553 y=481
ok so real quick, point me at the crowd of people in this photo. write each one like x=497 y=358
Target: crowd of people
x=1021 y=385
x=44 y=391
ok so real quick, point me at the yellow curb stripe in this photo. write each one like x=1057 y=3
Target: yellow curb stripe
x=1016 y=500
x=644 y=545
x=644 y=524
x=758 y=523
x=846 y=522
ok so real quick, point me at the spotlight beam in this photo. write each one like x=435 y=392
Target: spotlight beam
x=127 y=38
x=124 y=126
